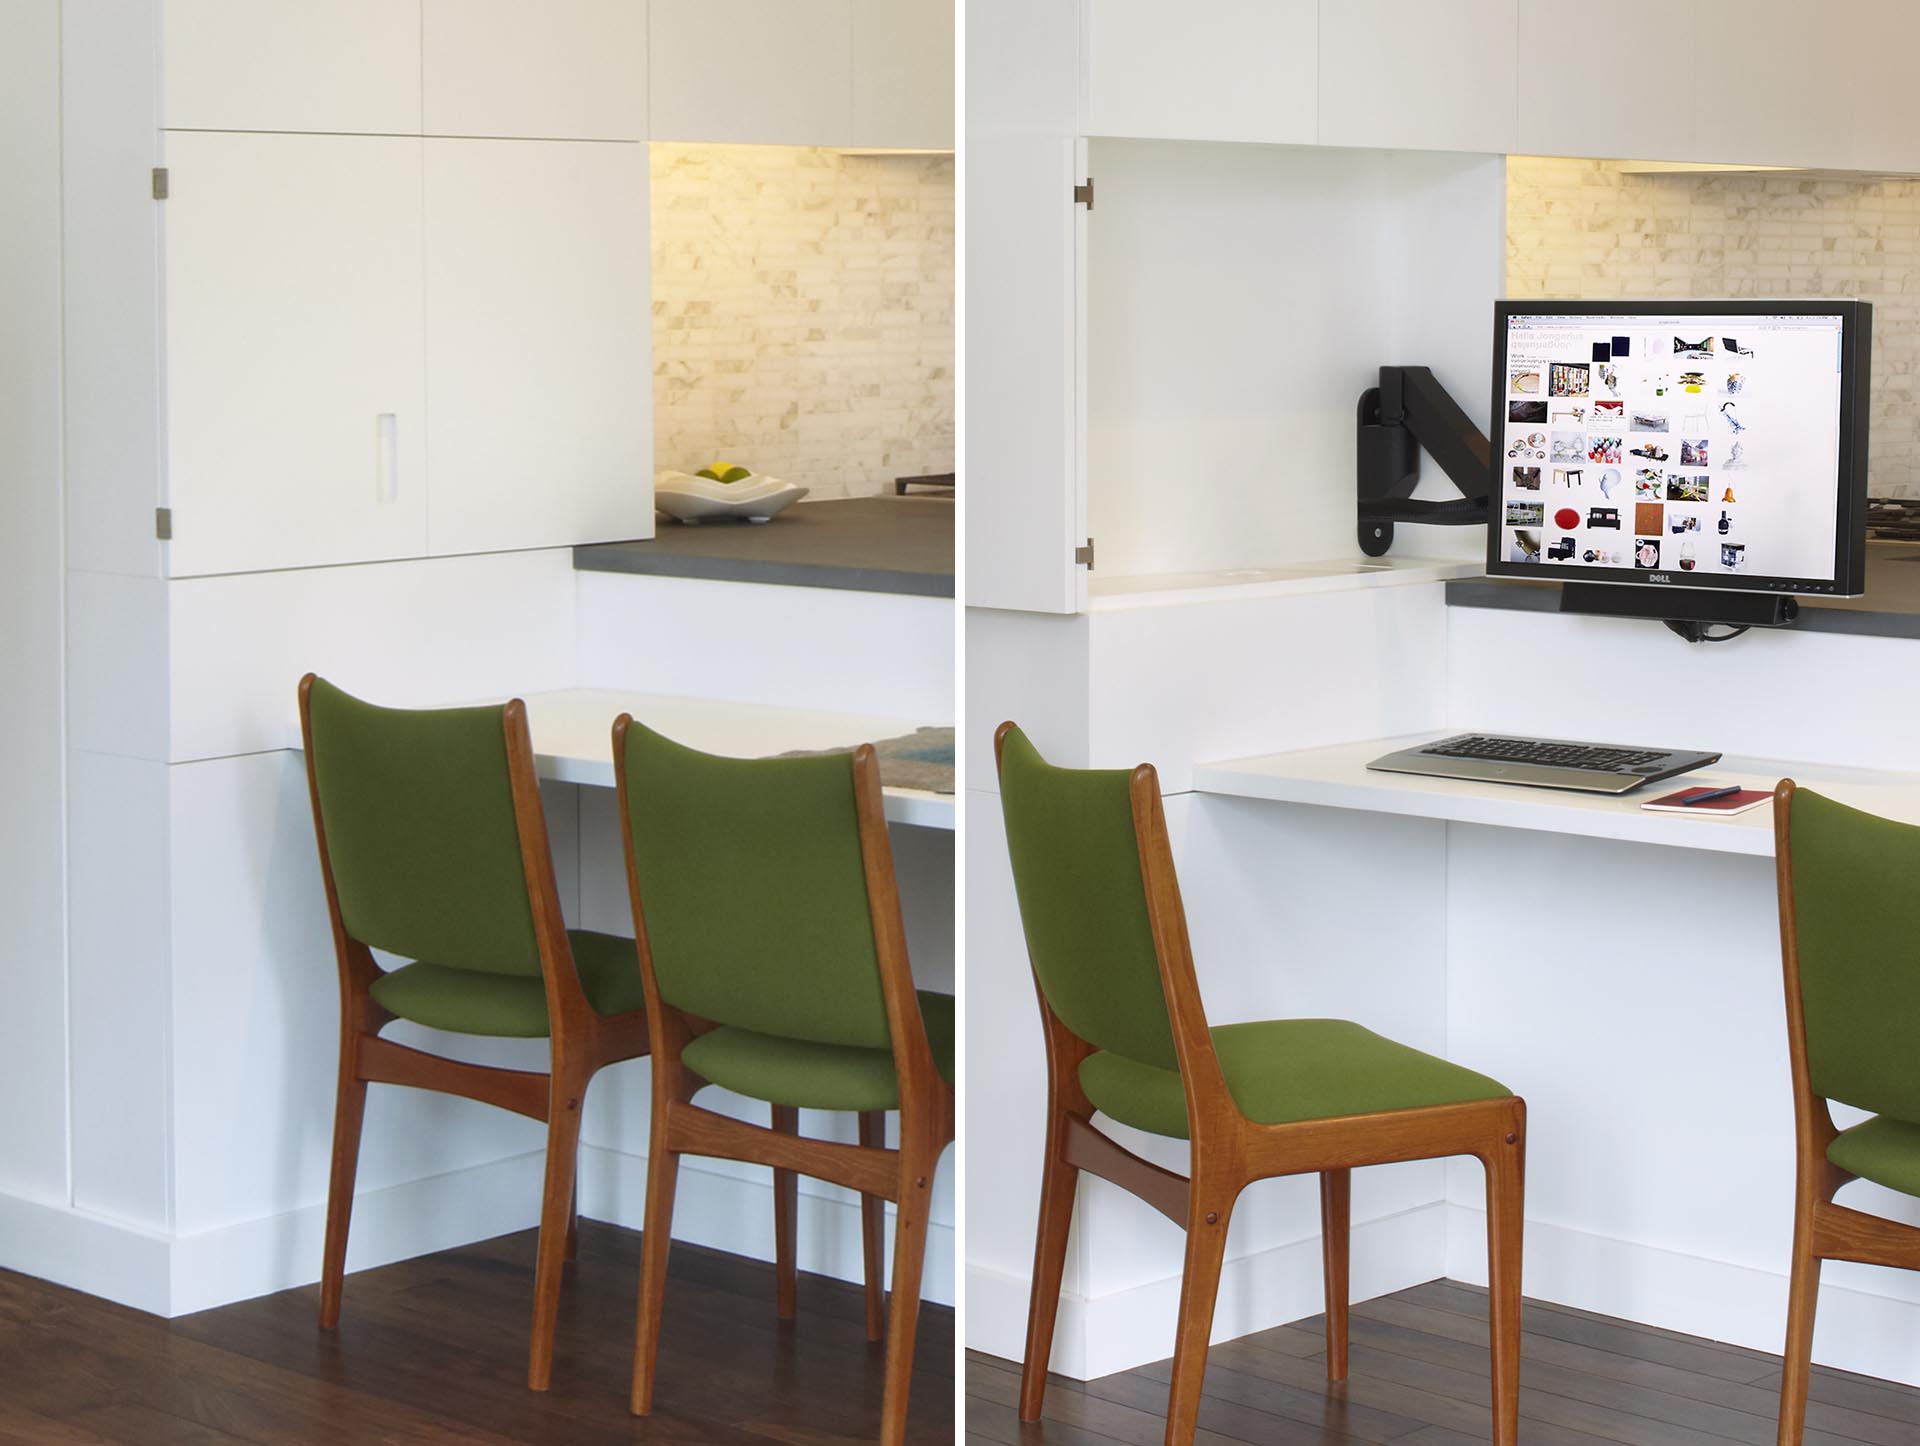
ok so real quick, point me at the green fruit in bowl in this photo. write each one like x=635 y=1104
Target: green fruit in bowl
x=724 y=472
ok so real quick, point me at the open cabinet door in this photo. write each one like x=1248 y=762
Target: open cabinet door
x=1024 y=495
x=1023 y=430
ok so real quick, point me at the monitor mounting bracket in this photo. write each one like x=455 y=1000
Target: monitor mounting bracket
x=1410 y=410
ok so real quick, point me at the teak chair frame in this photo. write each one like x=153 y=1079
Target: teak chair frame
x=1230 y=1152
x=902 y=1175
x=581 y=1042
x=1822 y=1230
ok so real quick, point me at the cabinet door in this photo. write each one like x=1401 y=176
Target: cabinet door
x=294 y=355
x=903 y=74
x=1776 y=84
x=539 y=397
x=1206 y=70
x=1411 y=74
x=293 y=65
x=1565 y=111
x=571 y=69
x=772 y=72
x=1026 y=510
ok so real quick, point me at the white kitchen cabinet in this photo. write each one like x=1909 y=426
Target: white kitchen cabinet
x=1415 y=75
x=539 y=394
x=572 y=69
x=292 y=65
x=1886 y=103
x=1213 y=70
x=1775 y=84
x=772 y=72
x=1564 y=111
x=903 y=73
x=294 y=352
x=1026 y=498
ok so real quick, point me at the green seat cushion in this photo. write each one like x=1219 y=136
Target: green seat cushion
x=1281 y=1071
x=470 y=1001
x=1883 y=1150
x=815 y=1076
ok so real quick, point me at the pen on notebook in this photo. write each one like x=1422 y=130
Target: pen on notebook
x=1710 y=795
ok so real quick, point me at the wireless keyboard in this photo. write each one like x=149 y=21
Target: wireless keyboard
x=1542 y=762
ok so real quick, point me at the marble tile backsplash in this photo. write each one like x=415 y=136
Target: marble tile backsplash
x=1592 y=228
x=803 y=313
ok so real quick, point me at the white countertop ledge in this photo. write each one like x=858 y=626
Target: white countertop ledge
x=572 y=732
x=1337 y=777
x=1112 y=594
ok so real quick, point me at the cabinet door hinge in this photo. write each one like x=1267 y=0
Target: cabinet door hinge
x=1083 y=194
x=159 y=183
x=163 y=523
x=1084 y=554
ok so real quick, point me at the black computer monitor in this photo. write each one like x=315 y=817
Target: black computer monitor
x=1682 y=444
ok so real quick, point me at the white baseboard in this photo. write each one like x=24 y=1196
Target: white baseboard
x=177 y=1275
x=119 y=1262
x=1115 y=1332
x=1855 y=1330
x=278 y=1252
x=733 y=1212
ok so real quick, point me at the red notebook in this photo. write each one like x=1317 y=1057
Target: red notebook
x=1739 y=802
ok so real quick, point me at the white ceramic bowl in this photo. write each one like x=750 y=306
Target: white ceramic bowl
x=691 y=499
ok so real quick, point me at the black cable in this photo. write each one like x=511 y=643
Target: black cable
x=1697 y=632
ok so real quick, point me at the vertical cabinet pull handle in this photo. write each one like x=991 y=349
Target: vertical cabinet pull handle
x=386 y=457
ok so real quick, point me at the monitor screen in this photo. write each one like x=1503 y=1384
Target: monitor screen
x=1685 y=444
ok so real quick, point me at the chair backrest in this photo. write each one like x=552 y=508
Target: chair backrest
x=417 y=811
x=1083 y=904
x=752 y=889
x=1850 y=912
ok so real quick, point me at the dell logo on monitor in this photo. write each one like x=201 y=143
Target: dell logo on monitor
x=1659 y=577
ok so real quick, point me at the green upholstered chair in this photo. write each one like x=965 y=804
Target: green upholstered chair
x=1849 y=918
x=433 y=847
x=1126 y=1037
x=775 y=965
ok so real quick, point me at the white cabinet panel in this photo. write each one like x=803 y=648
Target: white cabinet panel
x=573 y=69
x=903 y=73
x=1415 y=75
x=1211 y=70
x=775 y=72
x=295 y=361
x=293 y=65
x=1780 y=90
x=1886 y=103
x=1025 y=503
x=539 y=396
x=1565 y=111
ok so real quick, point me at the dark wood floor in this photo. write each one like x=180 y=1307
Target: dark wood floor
x=434 y=1350
x=1419 y=1377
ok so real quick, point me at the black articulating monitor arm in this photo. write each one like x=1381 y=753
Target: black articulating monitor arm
x=1407 y=411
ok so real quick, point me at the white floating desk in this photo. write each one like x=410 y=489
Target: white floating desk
x=1338 y=777
x=573 y=738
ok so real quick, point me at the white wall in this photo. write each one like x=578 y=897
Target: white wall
x=33 y=1055
x=1240 y=298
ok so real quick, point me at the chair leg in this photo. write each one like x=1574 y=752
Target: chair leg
x=349 y=1111
x=573 y=1223
x=786 y=1204
x=1336 y=1220
x=909 y=1255
x=1802 y=1298
x=1506 y=1166
x=656 y=1239
x=873 y=1220
x=1199 y=1286
x=556 y=1205
x=1058 y=1184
